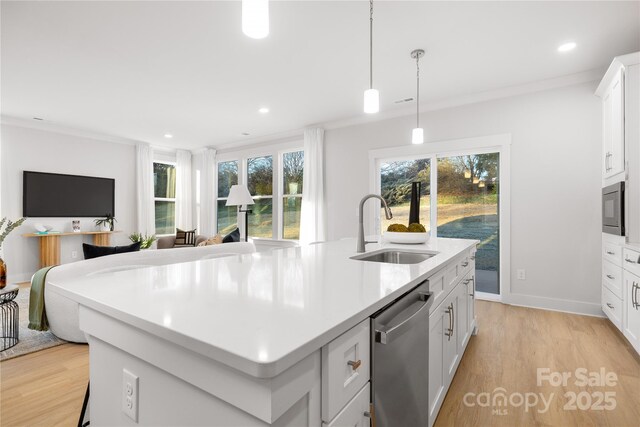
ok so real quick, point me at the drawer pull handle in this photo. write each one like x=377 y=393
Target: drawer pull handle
x=466 y=282
x=464 y=264
x=610 y=305
x=630 y=261
x=354 y=365
x=610 y=277
x=610 y=253
x=473 y=258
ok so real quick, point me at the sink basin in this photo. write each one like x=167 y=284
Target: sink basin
x=395 y=256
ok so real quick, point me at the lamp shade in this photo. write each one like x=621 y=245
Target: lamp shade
x=239 y=195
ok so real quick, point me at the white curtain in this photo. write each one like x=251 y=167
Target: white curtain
x=205 y=178
x=312 y=216
x=184 y=200
x=144 y=189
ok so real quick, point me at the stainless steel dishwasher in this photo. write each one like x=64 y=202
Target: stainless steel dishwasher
x=400 y=360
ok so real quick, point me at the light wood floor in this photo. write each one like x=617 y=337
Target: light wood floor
x=513 y=342
x=46 y=388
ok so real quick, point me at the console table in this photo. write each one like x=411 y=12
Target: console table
x=50 y=244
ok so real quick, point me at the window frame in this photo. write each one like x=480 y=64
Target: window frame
x=163 y=199
x=217 y=199
x=281 y=192
x=499 y=143
x=241 y=156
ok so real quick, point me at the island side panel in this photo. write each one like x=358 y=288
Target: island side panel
x=179 y=387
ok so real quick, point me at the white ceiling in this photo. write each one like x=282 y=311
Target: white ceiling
x=139 y=70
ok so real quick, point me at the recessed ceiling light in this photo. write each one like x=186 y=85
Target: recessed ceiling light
x=168 y=135
x=263 y=110
x=566 y=47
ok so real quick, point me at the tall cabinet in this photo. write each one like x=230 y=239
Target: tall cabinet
x=620 y=94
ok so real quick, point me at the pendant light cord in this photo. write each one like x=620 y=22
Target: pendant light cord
x=417 y=91
x=370 y=44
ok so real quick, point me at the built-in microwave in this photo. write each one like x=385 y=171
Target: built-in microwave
x=613 y=209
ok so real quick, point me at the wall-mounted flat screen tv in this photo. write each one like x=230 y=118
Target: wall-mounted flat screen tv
x=57 y=195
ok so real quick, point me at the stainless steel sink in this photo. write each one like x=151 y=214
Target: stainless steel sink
x=395 y=256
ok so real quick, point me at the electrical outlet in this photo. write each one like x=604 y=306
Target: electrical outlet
x=130 y=395
x=74 y=254
x=522 y=274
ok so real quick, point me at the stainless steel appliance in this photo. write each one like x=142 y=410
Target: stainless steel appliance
x=613 y=209
x=400 y=360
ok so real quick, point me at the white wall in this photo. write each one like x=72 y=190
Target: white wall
x=38 y=150
x=555 y=181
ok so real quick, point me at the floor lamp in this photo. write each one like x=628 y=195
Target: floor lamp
x=239 y=196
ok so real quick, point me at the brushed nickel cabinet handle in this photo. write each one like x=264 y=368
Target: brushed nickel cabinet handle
x=611 y=253
x=610 y=277
x=354 y=365
x=464 y=264
x=610 y=306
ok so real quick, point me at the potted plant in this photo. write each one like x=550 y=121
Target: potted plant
x=9 y=226
x=145 y=241
x=107 y=223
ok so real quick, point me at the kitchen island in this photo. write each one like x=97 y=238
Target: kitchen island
x=259 y=339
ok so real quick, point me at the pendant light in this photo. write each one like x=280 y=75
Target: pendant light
x=417 y=136
x=371 y=95
x=255 y=18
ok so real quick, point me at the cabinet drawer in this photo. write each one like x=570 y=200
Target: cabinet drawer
x=612 y=278
x=465 y=264
x=345 y=368
x=441 y=283
x=353 y=414
x=612 y=307
x=631 y=261
x=612 y=253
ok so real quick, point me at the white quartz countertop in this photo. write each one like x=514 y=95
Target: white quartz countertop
x=259 y=313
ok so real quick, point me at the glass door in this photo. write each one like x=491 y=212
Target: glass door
x=468 y=189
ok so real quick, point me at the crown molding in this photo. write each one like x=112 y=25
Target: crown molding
x=65 y=130
x=506 y=92
x=295 y=134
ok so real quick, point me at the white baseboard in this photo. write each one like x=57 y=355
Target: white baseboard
x=555 y=304
x=19 y=277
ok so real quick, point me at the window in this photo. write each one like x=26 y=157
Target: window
x=292 y=168
x=466 y=199
x=227 y=215
x=260 y=184
x=274 y=180
x=164 y=191
x=395 y=184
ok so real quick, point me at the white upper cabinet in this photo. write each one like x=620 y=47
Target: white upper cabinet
x=613 y=126
x=618 y=117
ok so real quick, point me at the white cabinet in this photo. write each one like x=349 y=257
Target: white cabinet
x=450 y=326
x=631 y=309
x=346 y=368
x=356 y=413
x=613 y=125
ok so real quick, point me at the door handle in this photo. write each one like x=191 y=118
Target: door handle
x=473 y=287
x=385 y=336
x=453 y=319
x=449 y=332
x=634 y=295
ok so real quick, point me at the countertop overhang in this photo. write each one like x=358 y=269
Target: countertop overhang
x=259 y=313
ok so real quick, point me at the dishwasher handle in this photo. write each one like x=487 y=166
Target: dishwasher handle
x=385 y=336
